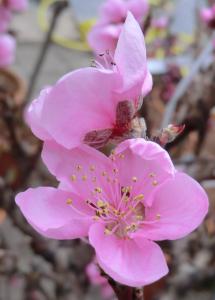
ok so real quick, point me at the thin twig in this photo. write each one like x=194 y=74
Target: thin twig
x=185 y=82
x=59 y=6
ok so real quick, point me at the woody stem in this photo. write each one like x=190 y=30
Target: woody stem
x=125 y=292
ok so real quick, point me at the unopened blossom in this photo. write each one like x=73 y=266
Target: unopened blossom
x=123 y=203
x=169 y=134
x=160 y=23
x=208 y=16
x=7 y=50
x=95 y=277
x=95 y=104
x=104 y=35
x=5 y=17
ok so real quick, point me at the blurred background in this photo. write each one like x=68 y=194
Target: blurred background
x=51 y=40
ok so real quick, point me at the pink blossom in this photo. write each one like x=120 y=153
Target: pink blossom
x=17 y=5
x=208 y=16
x=160 y=23
x=104 y=35
x=86 y=100
x=5 y=17
x=123 y=203
x=97 y=279
x=7 y=50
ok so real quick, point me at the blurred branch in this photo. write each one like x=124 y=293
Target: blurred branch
x=185 y=83
x=58 y=8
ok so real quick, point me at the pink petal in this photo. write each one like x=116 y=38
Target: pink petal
x=130 y=57
x=146 y=162
x=33 y=115
x=139 y=8
x=113 y=11
x=182 y=205
x=5 y=17
x=63 y=164
x=80 y=102
x=104 y=37
x=7 y=50
x=135 y=262
x=46 y=210
x=206 y=14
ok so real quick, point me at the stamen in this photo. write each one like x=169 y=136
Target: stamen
x=104 y=173
x=84 y=177
x=152 y=175
x=139 y=218
x=98 y=190
x=139 y=197
x=73 y=178
x=121 y=156
x=107 y=231
x=69 y=201
x=102 y=204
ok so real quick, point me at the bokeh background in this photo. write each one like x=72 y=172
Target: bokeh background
x=35 y=268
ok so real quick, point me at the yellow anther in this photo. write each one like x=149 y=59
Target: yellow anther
x=158 y=216
x=115 y=170
x=116 y=212
x=152 y=175
x=79 y=167
x=96 y=218
x=121 y=156
x=155 y=183
x=139 y=197
x=107 y=231
x=92 y=168
x=133 y=226
x=104 y=173
x=134 y=179
x=113 y=152
x=101 y=203
x=73 y=177
x=69 y=201
x=139 y=218
x=98 y=190
x=84 y=177
x=126 y=189
x=94 y=179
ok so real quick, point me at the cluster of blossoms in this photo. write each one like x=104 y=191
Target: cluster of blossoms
x=7 y=41
x=123 y=203
x=105 y=34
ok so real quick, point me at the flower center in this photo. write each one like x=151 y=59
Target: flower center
x=119 y=208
